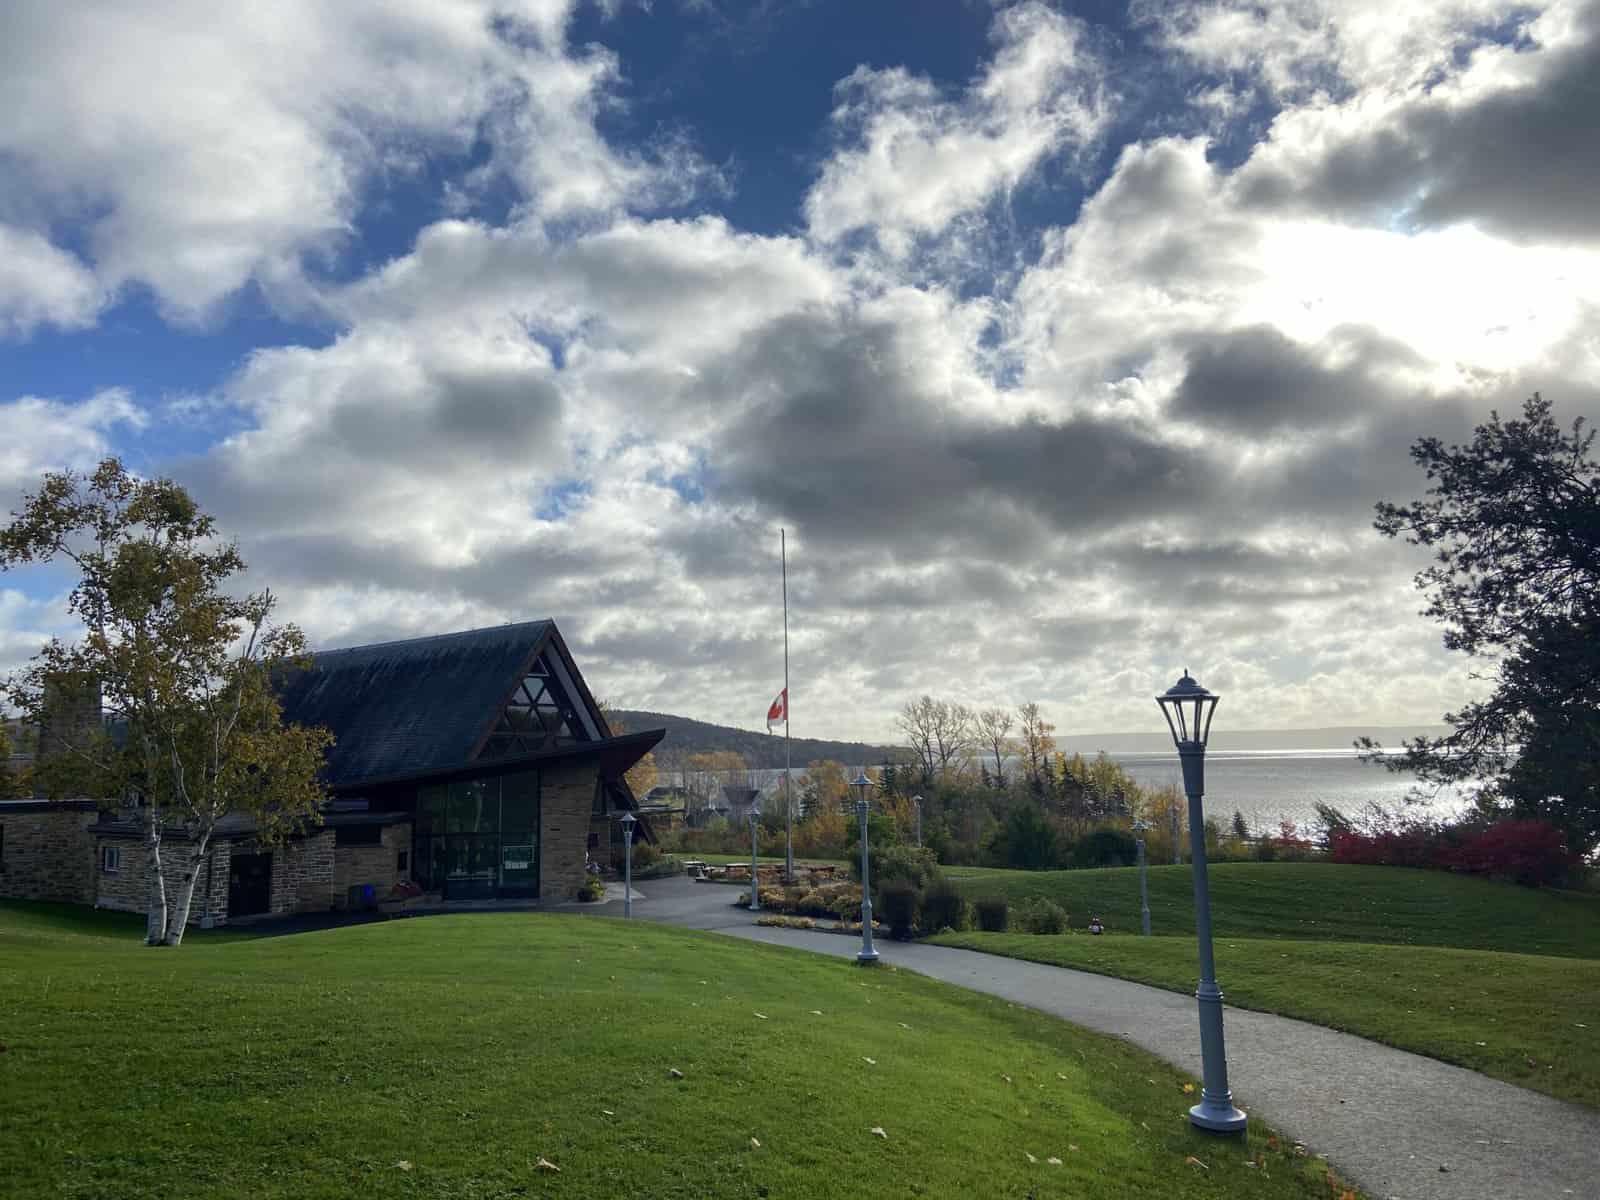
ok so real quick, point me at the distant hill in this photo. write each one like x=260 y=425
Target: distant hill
x=760 y=750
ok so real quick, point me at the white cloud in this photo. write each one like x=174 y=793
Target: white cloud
x=206 y=145
x=41 y=285
x=915 y=161
x=44 y=435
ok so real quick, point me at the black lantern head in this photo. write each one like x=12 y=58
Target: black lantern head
x=861 y=784
x=1188 y=708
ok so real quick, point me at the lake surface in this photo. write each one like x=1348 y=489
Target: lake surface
x=1268 y=786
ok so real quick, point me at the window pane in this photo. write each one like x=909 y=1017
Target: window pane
x=430 y=808
x=474 y=807
x=519 y=801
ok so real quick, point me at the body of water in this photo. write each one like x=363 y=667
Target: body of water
x=1268 y=786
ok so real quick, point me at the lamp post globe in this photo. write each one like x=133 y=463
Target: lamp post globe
x=862 y=785
x=1188 y=708
x=755 y=843
x=628 y=822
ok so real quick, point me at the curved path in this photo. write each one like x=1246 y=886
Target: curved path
x=1399 y=1124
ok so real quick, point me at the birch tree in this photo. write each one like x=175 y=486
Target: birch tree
x=994 y=728
x=184 y=667
x=1037 y=742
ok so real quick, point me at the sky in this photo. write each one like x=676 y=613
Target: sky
x=1072 y=345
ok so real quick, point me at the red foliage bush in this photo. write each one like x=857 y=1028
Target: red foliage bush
x=1412 y=846
x=1533 y=853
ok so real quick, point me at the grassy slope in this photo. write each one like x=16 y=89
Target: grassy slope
x=469 y=1046
x=1516 y=1017
x=1320 y=900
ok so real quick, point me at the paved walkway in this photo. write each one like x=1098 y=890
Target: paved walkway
x=1399 y=1124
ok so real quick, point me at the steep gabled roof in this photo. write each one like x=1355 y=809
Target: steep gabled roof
x=426 y=704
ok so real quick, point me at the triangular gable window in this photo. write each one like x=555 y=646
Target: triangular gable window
x=538 y=716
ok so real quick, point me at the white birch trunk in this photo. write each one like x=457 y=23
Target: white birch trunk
x=185 y=896
x=155 y=933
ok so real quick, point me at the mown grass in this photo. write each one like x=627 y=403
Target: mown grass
x=1530 y=1020
x=444 y=1057
x=1319 y=901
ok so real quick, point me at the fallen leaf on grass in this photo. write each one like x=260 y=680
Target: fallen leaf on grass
x=1188 y=1089
x=816 y=1012
x=607 y=1112
x=1273 y=1143
x=1072 y=1148
x=674 y=1072
x=1053 y=1161
x=404 y=1165
x=1059 y=1075
x=544 y=1164
x=1031 y=1158
x=755 y=1144
x=1007 y=1078
x=903 y=1025
x=878 y=1129
x=871 y=1062
x=1192 y=1161
x=763 y=1016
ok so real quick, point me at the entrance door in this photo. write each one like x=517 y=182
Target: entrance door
x=249 y=884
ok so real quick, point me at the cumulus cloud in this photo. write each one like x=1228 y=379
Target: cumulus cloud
x=42 y=285
x=50 y=435
x=913 y=160
x=206 y=146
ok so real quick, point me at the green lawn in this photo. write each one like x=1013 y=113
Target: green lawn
x=443 y=1057
x=1527 y=1019
x=1319 y=900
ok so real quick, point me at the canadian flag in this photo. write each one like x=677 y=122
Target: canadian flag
x=779 y=712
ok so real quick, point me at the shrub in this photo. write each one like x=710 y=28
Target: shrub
x=992 y=913
x=943 y=906
x=1267 y=850
x=592 y=888
x=898 y=899
x=1410 y=846
x=666 y=865
x=645 y=856
x=1532 y=853
x=1041 y=915
x=1105 y=848
x=784 y=922
x=915 y=865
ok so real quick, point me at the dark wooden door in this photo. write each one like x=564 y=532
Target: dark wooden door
x=249 y=884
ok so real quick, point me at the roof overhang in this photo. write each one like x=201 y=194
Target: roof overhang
x=614 y=756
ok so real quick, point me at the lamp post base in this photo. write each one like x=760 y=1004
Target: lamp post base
x=1218 y=1118
x=866 y=957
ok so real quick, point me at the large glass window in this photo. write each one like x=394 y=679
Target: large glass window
x=477 y=838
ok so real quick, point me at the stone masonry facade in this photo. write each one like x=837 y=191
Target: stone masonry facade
x=378 y=865
x=46 y=850
x=566 y=800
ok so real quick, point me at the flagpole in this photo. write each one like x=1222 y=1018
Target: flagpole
x=788 y=795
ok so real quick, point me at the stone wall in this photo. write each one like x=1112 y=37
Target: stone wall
x=566 y=801
x=46 y=852
x=302 y=876
x=377 y=865
x=127 y=889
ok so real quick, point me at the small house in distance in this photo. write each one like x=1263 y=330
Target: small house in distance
x=476 y=765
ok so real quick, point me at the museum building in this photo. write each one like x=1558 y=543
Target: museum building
x=474 y=765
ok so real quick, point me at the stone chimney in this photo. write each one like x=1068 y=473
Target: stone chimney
x=71 y=716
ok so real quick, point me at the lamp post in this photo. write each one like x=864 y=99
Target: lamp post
x=867 y=954
x=755 y=883
x=1188 y=708
x=1139 y=828
x=917 y=801
x=628 y=822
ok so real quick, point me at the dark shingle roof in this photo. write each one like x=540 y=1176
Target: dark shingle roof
x=398 y=708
